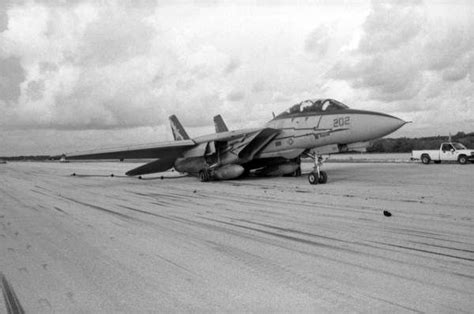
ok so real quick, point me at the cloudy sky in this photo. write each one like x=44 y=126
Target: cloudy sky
x=78 y=75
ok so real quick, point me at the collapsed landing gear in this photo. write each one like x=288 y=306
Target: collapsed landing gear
x=204 y=175
x=297 y=172
x=317 y=175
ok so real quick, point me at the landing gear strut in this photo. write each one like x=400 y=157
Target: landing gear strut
x=317 y=175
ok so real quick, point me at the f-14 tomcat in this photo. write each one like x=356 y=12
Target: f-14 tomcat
x=307 y=129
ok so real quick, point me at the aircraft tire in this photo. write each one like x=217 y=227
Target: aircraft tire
x=313 y=178
x=462 y=159
x=203 y=176
x=425 y=159
x=323 y=177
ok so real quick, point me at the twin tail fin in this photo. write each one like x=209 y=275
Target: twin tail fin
x=179 y=133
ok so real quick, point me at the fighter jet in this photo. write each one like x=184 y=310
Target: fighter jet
x=308 y=129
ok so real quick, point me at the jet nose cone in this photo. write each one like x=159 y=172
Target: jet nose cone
x=372 y=125
x=391 y=124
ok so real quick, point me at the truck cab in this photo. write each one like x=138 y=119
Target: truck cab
x=448 y=151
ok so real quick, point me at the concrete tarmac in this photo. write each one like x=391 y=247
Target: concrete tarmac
x=94 y=243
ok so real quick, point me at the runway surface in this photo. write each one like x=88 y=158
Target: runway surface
x=95 y=243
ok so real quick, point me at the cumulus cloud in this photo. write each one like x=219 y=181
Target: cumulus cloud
x=385 y=63
x=236 y=95
x=11 y=76
x=115 y=36
x=107 y=65
x=115 y=64
x=233 y=65
x=3 y=16
x=390 y=25
x=317 y=42
x=258 y=86
x=118 y=65
x=399 y=49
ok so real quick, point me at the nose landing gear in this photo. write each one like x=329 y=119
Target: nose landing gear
x=317 y=175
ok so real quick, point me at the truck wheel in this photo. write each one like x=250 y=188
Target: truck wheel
x=462 y=159
x=425 y=159
x=437 y=161
x=323 y=177
x=313 y=178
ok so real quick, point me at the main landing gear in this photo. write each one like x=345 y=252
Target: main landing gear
x=317 y=175
x=204 y=175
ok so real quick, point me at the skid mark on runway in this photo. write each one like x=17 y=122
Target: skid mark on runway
x=149 y=213
x=347 y=263
x=60 y=210
x=286 y=237
x=312 y=235
x=157 y=196
x=195 y=223
x=426 y=251
x=391 y=275
x=100 y=208
x=443 y=247
x=299 y=281
x=463 y=275
x=395 y=304
x=11 y=300
x=42 y=193
x=168 y=261
x=427 y=235
x=293 y=231
x=273 y=271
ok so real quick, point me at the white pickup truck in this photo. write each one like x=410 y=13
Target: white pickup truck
x=449 y=151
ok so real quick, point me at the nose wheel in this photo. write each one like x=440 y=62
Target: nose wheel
x=314 y=178
x=317 y=175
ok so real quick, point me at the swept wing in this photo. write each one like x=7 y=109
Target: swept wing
x=166 y=152
x=159 y=150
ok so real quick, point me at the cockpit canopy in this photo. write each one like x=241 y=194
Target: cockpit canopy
x=314 y=106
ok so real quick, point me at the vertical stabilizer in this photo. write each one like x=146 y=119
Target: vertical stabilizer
x=179 y=133
x=220 y=124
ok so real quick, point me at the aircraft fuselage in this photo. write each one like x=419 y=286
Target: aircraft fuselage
x=312 y=131
x=297 y=133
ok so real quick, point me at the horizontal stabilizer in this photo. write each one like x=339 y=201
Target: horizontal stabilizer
x=159 y=165
x=220 y=124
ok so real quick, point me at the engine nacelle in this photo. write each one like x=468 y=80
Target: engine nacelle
x=228 y=172
x=279 y=170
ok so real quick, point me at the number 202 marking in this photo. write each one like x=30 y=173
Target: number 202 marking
x=340 y=122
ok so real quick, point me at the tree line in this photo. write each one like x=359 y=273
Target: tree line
x=406 y=145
